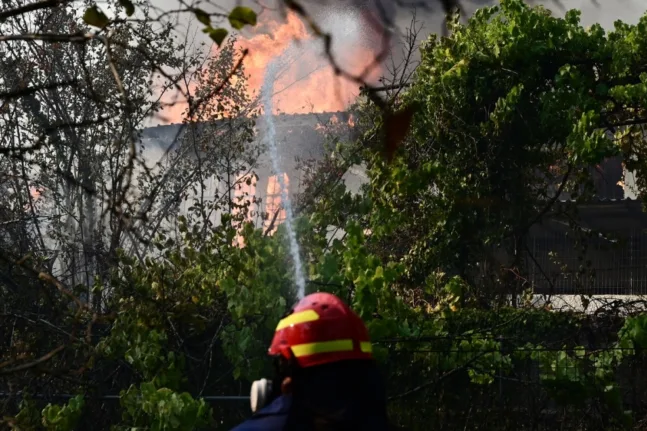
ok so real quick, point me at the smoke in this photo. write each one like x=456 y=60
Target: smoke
x=394 y=16
x=306 y=81
x=350 y=33
x=397 y=13
x=360 y=29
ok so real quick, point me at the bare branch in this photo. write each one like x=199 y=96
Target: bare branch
x=14 y=94
x=31 y=7
x=50 y=37
x=35 y=363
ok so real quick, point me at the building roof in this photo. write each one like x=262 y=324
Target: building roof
x=297 y=134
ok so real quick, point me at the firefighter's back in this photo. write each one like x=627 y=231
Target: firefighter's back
x=326 y=378
x=271 y=418
x=343 y=396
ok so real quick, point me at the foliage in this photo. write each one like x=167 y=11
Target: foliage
x=511 y=112
x=214 y=156
x=127 y=326
x=481 y=367
x=177 y=323
x=163 y=409
x=76 y=182
x=510 y=109
x=62 y=418
x=238 y=18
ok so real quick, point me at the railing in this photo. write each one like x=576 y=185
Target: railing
x=611 y=267
x=518 y=398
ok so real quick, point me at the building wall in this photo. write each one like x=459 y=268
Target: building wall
x=299 y=138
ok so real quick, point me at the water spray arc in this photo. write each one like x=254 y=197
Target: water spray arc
x=267 y=92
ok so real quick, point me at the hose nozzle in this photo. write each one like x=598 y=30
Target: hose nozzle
x=260 y=394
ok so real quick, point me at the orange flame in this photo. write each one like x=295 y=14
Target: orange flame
x=35 y=192
x=308 y=83
x=244 y=193
x=274 y=207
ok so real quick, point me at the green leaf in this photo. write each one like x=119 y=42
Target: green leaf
x=202 y=16
x=128 y=6
x=95 y=17
x=242 y=16
x=218 y=35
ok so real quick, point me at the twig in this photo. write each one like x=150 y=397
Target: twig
x=388 y=87
x=437 y=381
x=49 y=37
x=547 y=207
x=32 y=364
x=14 y=94
x=271 y=226
x=31 y=7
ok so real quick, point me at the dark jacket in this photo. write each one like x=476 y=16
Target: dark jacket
x=270 y=418
x=342 y=396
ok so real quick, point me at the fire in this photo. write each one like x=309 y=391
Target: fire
x=308 y=82
x=244 y=193
x=275 y=212
x=35 y=193
x=335 y=124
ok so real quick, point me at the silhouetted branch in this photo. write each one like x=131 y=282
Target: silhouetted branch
x=49 y=37
x=439 y=379
x=32 y=364
x=387 y=87
x=31 y=7
x=271 y=226
x=14 y=94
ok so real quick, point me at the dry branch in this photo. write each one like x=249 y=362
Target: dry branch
x=35 y=363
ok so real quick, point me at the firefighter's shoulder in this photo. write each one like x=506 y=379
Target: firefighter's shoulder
x=270 y=418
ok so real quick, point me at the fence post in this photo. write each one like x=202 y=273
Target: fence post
x=631 y=261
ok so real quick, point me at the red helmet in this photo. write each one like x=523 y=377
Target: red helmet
x=321 y=329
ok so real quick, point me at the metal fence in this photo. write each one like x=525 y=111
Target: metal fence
x=430 y=396
x=611 y=266
x=433 y=389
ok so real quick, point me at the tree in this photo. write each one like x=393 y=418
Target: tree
x=195 y=317
x=72 y=164
x=510 y=112
x=79 y=193
x=212 y=170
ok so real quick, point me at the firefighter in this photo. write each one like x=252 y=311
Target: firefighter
x=325 y=375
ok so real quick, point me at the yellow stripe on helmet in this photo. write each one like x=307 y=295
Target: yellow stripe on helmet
x=366 y=347
x=297 y=318
x=322 y=347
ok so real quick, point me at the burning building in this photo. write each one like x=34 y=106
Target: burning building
x=310 y=85
x=286 y=62
x=299 y=137
x=620 y=267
